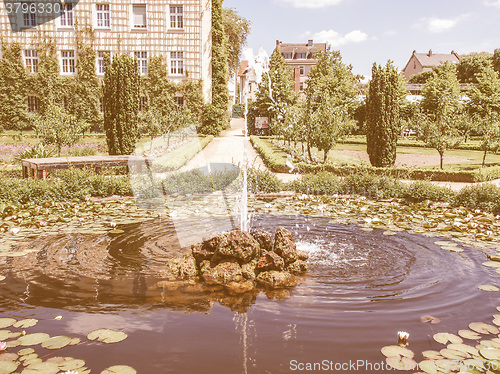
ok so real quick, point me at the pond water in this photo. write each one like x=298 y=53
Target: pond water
x=361 y=288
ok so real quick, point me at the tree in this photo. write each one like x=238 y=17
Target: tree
x=383 y=114
x=57 y=127
x=420 y=78
x=121 y=104
x=441 y=111
x=330 y=101
x=47 y=82
x=484 y=106
x=275 y=92
x=472 y=64
x=220 y=92
x=13 y=81
x=237 y=29
x=496 y=60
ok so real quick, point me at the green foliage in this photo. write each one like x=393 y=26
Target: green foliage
x=330 y=101
x=424 y=190
x=372 y=186
x=13 y=81
x=441 y=116
x=496 y=60
x=421 y=78
x=274 y=158
x=220 y=92
x=179 y=157
x=47 y=82
x=275 y=93
x=472 y=64
x=121 y=103
x=37 y=151
x=322 y=183
x=485 y=197
x=263 y=181
x=383 y=114
x=237 y=29
x=56 y=126
x=210 y=123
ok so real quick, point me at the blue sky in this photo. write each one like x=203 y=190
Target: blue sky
x=368 y=31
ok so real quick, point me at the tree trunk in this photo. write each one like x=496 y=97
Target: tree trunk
x=309 y=151
x=484 y=157
x=441 y=155
x=325 y=155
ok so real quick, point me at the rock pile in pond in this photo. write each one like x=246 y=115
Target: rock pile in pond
x=240 y=261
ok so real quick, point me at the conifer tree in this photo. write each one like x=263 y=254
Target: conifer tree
x=121 y=104
x=13 y=80
x=47 y=82
x=383 y=107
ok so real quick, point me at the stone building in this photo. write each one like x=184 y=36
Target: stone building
x=420 y=62
x=178 y=30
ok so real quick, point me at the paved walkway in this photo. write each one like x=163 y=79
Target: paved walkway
x=229 y=149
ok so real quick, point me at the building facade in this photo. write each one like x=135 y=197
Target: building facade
x=178 y=30
x=420 y=62
x=300 y=57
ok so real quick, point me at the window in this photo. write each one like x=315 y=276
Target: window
x=302 y=69
x=31 y=60
x=100 y=61
x=287 y=55
x=176 y=63
x=301 y=86
x=300 y=55
x=29 y=14
x=139 y=16
x=66 y=17
x=179 y=100
x=142 y=62
x=176 y=17
x=142 y=103
x=103 y=16
x=68 y=61
x=33 y=103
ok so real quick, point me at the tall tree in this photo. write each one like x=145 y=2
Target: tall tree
x=383 y=114
x=47 y=81
x=472 y=64
x=275 y=92
x=220 y=71
x=121 y=104
x=237 y=29
x=441 y=111
x=484 y=106
x=496 y=60
x=13 y=80
x=330 y=101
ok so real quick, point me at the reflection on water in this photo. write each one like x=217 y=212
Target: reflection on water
x=362 y=287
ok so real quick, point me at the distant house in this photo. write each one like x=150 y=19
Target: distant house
x=300 y=57
x=420 y=62
x=246 y=75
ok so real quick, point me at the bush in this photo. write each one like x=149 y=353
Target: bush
x=263 y=181
x=372 y=186
x=322 y=183
x=424 y=190
x=182 y=155
x=274 y=158
x=485 y=197
x=212 y=118
x=37 y=151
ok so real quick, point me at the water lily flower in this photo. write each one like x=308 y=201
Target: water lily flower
x=112 y=224
x=80 y=219
x=477 y=211
x=70 y=372
x=403 y=337
x=3 y=346
x=58 y=318
x=42 y=223
x=19 y=220
x=15 y=230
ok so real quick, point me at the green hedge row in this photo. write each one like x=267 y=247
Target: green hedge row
x=275 y=159
x=181 y=156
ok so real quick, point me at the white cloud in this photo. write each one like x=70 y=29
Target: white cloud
x=495 y=3
x=437 y=25
x=336 y=39
x=311 y=4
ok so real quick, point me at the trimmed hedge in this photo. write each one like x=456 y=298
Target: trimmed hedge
x=181 y=156
x=275 y=159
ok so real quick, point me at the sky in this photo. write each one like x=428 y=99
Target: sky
x=368 y=31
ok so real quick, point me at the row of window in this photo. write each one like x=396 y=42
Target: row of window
x=34 y=103
x=298 y=55
x=103 y=15
x=68 y=62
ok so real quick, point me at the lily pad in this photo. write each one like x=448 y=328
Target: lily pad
x=8 y=356
x=2 y=277
x=396 y=350
x=452 y=354
x=33 y=339
x=467 y=349
x=429 y=367
x=42 y=368
x=401 y=363
x=6 y=322
x=432 y=355
x=119 y=369
x=483 y=328
x=56 y=342
x=7 y=367
x=492 y=264
x=107 y=336
x=490 y=353
x=431 y=319
x=26 y=323
x=26 y=351
x=488 y=287
x=468 y=334
x=72 y=364
x=446 y=243
x=444 y=338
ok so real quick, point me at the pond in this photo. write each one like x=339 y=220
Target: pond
x=362 y=287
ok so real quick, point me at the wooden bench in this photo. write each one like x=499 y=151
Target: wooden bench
x=38 y=167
